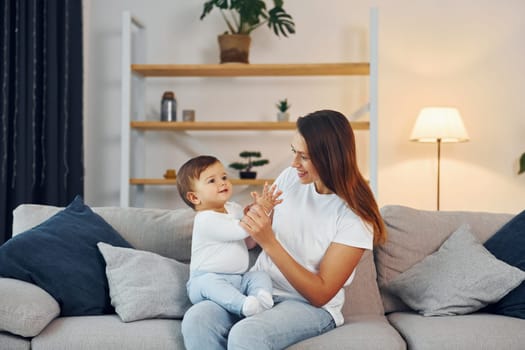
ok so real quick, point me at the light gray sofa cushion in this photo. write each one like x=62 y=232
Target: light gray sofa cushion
x=474 y=331
x=460 y=278
x=362 y=295
x=162 y=231
x=413 y=234
x=109 y=332
x=25 y=309
x=27 y=216
x=145 y=285
x=14 y=342
x=364 y=332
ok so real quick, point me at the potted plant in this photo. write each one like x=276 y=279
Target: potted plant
x=245 y=168
x=242 y=17
x=283 y=107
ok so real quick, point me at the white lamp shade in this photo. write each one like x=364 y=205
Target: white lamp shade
x=439 y=123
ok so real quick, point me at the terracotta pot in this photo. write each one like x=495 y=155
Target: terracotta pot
x=234 y=48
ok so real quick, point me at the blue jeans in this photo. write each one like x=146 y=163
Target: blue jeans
x=208 y=326
x=227 y=290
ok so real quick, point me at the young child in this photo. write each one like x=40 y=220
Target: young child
x=219 y=252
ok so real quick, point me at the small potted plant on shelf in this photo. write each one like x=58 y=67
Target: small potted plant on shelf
x=242 y=17
x=283 y=107
x=245 y=168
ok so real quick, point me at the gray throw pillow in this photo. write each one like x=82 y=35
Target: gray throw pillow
x=460 y=278
x=25 y=308
x=145 y=285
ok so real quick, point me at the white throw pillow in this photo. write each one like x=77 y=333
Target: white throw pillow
x=460 y=278
x=25 y=308
x=145 y=285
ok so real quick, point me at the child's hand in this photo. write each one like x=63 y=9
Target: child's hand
x=268 y=199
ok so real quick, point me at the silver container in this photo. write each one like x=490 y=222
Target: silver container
x=168 y=107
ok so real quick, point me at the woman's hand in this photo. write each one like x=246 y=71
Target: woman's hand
x=258 y=224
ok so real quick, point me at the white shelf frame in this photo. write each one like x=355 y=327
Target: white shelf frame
x=132 y=102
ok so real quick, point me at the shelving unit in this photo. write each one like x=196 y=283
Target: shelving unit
x=133 y=69
x=218 y=126
x=250 y=70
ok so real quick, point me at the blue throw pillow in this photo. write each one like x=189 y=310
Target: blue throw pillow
x=61 y=256
x=508 y=244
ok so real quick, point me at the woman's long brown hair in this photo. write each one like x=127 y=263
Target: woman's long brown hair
x=331 y=146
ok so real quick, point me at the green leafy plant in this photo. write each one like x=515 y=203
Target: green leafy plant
x=283 y=105
x=250 y=163
x=522 y=164
x=244 y=16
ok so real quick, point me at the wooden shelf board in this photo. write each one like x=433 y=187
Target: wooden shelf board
x=181 y=126
x=250 y=70
x=160 y=181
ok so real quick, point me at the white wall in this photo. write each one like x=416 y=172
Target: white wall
x=465 y=54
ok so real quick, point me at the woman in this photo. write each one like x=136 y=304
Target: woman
x=311 y=244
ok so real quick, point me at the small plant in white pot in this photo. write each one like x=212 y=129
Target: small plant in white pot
x=245 y=168
x=283 y=106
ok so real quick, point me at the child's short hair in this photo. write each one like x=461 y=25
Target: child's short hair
x=190 y=171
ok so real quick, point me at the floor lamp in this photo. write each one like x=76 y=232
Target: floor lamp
x=439 y=125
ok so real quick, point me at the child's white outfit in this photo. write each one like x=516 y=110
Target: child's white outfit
x=219 y=264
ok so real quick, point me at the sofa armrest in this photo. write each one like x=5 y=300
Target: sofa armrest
x=25 y=309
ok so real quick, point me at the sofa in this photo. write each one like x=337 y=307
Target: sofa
x=375 y=316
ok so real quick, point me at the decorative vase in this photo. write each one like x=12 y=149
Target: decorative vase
x=247 y=174
x=234 y=48
x=283 y=116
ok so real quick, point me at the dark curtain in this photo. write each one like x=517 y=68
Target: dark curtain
x=41 y=155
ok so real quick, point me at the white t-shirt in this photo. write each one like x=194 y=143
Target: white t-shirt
x=218 y=241
x=306 y=223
